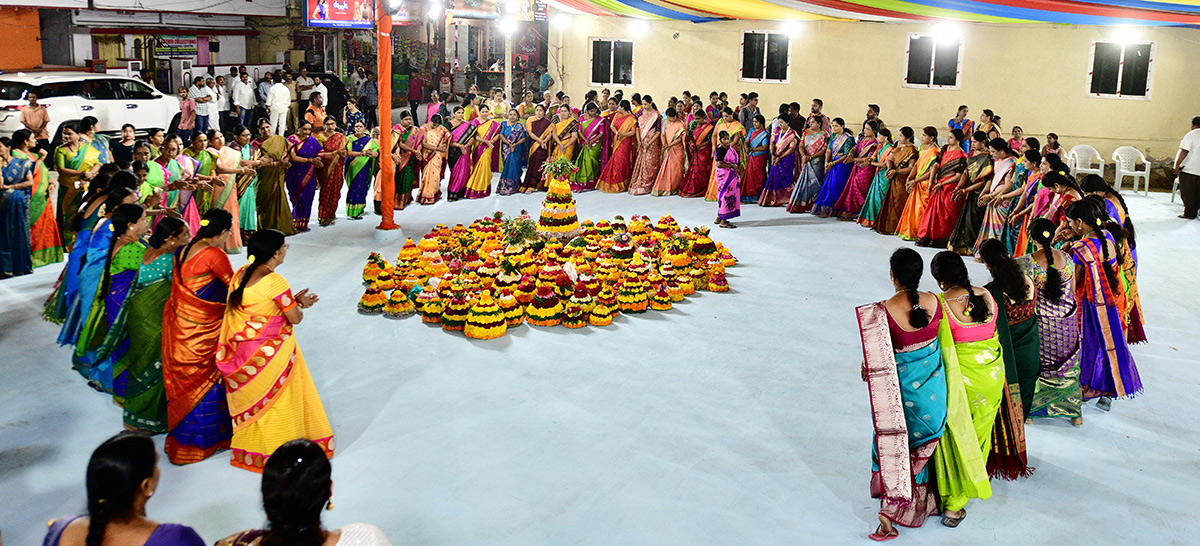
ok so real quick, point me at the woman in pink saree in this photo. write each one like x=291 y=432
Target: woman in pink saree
x=224 y=194
x=674 y=165
x=462 y=134
x=729 y=197
x=614 y=175
x=649 y=157
x=855 y=193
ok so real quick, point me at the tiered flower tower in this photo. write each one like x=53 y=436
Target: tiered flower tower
x=559 y=221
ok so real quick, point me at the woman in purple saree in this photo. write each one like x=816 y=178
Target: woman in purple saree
x=302 y=175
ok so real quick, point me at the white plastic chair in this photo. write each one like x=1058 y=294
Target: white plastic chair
x=1174 y=189
x=1080 y=159
x=1127 y=158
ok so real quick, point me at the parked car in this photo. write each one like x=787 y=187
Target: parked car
x=71 y=96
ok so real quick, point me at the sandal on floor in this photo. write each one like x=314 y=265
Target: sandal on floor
x=953 y=522
x=878 y=535
x=1104 y=403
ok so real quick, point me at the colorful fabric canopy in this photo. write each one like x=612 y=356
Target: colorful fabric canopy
x=1075 y=12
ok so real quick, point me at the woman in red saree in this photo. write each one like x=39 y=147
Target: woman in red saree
x=649 y=157
x=197 y=411
x=539 y=129
x=945 y=196
x=695 y=182
x=615 y=174
x=332 y=174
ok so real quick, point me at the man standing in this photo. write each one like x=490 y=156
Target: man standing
x=199 y=94
x=544 y=80
x=219 y=116
x=1187 y=168
x=872 y=115
x=315 y=114
x=243 y=100
x=278 y=104
x=746 y=113
x=35 y=118
x=294 y=109
x=264 y=87
x=319 y=87
x=817 y=105
x=356 y=80
x=370 y=99
x=304 y=86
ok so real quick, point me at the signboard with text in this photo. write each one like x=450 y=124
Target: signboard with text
x=168 y=45
x=358 y=14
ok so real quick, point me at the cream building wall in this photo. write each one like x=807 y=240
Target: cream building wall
x=1032 y=76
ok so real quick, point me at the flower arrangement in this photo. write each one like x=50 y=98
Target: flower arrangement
x=560 y=168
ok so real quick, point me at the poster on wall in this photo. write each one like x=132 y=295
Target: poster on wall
x=340 y=13
x=168 y=45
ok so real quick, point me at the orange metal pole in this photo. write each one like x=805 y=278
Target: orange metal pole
x=387 y=168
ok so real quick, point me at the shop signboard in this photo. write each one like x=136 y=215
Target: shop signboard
x=169 y=45
x=358 y=14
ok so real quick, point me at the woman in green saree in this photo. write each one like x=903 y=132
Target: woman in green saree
x=206 y=168
x=274 y=211
x=77 y=164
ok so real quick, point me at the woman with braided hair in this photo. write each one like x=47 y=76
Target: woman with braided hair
x=1121 y=226
x=122 y=476
x=296 y=487
x=1106 y=366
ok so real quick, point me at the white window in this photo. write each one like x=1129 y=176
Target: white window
x=766 y=57
x=612 y=62
x=933 y=62
x=1121 y=70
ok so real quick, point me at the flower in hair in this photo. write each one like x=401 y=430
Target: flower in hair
x=251 y=258
x=1046 y=234
x=1062 y=173
x=111 y=228
x=1099 y=223
x=203 y=222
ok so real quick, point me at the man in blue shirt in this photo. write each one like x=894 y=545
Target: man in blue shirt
x=544 y=80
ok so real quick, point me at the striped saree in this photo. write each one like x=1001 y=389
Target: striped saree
x=44 y=241
x=1057 y=393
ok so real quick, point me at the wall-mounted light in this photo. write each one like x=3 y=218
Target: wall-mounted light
x=638 y=27
x=562 y=21
x=508 y=25
x=947 y=32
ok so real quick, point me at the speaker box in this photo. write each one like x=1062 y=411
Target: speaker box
x=214 y=47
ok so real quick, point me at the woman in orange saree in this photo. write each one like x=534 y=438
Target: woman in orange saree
x=918 y=186
x=332 y=173
x=44 y=242
x=945 y=196
x=434 y=147
x=899 y=167
x=674 y=165
x=649 y=155
x=228 y=166
x=695 y=182
x=197 y=411
x=615 y=174
x=737 y=139
x=272 y=398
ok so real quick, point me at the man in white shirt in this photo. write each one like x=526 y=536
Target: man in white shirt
x=304 y=88
x=1187 y=167
x=319 y=87
x=218 y=117
x=356 y=81
x=279 y=99
x=199 y=94
x=243 y=100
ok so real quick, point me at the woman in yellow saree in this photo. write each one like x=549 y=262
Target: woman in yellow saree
x=270 y=196
x=479 y=185
x=566 y=134
x=272 y=399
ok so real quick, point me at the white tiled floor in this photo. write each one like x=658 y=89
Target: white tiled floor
x=735 y=418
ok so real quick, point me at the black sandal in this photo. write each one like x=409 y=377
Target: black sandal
x=952 y=522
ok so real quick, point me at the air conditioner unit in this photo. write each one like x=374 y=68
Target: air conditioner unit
x=135 y=67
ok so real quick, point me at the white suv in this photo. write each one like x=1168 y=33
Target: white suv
x=71 y=96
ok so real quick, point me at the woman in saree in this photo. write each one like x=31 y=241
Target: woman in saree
x=45 y=245
x=93 y=358
x=197 y=410
x=249 y=159
x=918 y=185
x=85 y=270
x=674 y=164
x=879 y=184
x=565 y=135
x=406 y=147
x=1036 y=202
x=462 y=135
x=1056 y=392
x=811 y=153
x=1106 y=366
x=945 y=198
x=205 y=170
x=1114 y=205
x=304 y=152
x=225 y=195
x=862 y=173
x=88 y=134
x=77 y=164
x=272 y=398
x=434 y=148
x=181 y=182
x=615 y=174
x=737 y=139
x=540 y=131
x=758 y=146
x=513 y=150
x=998 y=197
x=591 y=145
x=487 y=134
x=16 y=179
x=649 y=151
x=839 y=157
x=695 y=182
x=729 y=201
x=980 y=168
x=906 y=384
x=362 y=152
x=975 y=382
x=274 y=211
x=778 y=187
x=435 y=105
x=899 y=168
x=331 y=175
x=1029 y=175
x=81 y=224
x=612 y=106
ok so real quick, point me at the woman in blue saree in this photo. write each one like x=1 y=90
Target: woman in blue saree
x=361 y=165
x=16 y=254
x=302 y=175
x=83 y=280
x=513 y=152
x=838 y=164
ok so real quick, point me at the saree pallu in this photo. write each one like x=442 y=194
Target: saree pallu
x=197 y=411
x=918 y=198
x=407 y=172
x=16 y=258
x=460 y=161
x=970 y=218
x=836 y=175
x=45 y=244
x=649 y=154
x=942 y=212
x=69 y=196
x=591 y=139
x=562 y=131
x=811 y=175
x=737 y=136
x=67 y=286
x=247 y=205
x=81 y=294
x=974 y=386
x=1132 y=318
x=274 y=210
x=695 y=182
x=907 y=389
x=301 y=181
x=226 y=196
x=1057 y=392
x=755 y=177
x=892 y=209
x=434 y=166
x=94 y=359
x=854 y=194
x=140 y=324
x=182 y=201
x=360 y=172
x=1105 y=363
x=205 y=165
x=995 y=216
x=606 y=142
x=1012 y=234
x=512 y=158
x=873 y=202
x=272 y=399
x=479 y=185
x=331 y=177
x=729 y=200
x=674 y=164
x=1016 y=329
x=538 y=154
x=778 y=189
